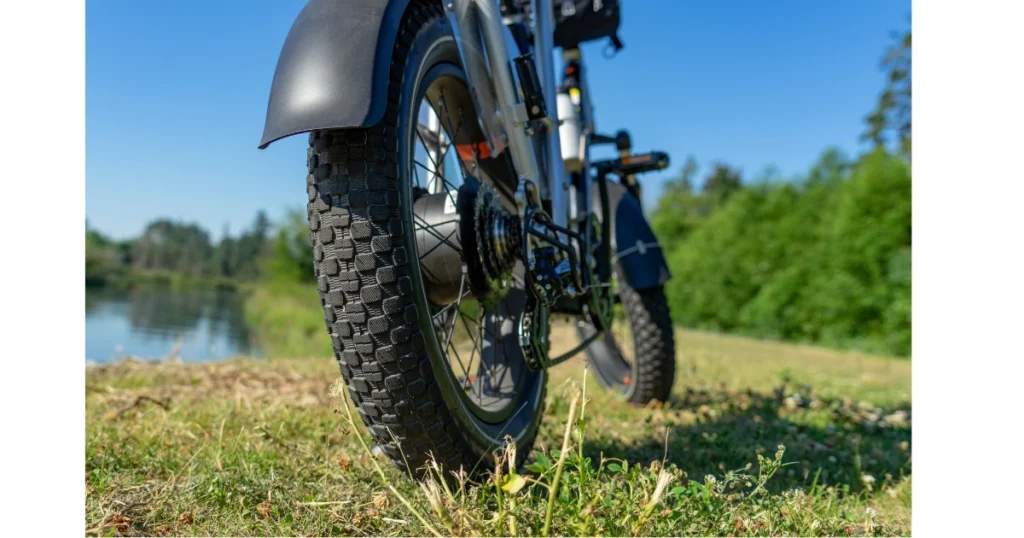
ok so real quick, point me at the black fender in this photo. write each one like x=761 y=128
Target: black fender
x=333 y=68
x=637 y=259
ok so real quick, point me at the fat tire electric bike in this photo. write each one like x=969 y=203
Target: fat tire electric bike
x=453 y=210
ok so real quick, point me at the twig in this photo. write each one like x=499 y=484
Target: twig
x=322 y=503
x=220 y=444
x=114 y=415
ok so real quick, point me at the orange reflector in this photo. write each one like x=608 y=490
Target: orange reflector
x=626 y=380
x=633 y=159
x=467 y=151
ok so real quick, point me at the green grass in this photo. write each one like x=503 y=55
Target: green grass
x=250 y=447
x=287 y=319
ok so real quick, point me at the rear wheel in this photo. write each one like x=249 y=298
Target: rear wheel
x=434 y=372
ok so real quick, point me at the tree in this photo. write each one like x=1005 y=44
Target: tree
x=679 y=210
x=292 y=257
x=224 y=260
x=832 y=165
x=892 y=114
x=721 y=183
x=173 y=246
x=251 y=247
x=103 y=258
x=683 y=183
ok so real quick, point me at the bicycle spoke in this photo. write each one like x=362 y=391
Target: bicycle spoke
x=483 y=371
x=504 y=353
x=465 y=371
x=477 y=342
x=448 y=341
x=483 y=330
x=449 y=306
x=450 y=186
x=430 y=229
x=435 y=171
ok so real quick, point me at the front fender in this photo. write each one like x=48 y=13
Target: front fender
x=333 y=68
x=638 y=259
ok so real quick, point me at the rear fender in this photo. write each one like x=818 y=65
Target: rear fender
x=333 y=69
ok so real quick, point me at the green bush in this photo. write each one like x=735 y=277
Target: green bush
x=823 y=260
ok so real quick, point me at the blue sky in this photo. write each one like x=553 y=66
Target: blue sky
x=176 y=94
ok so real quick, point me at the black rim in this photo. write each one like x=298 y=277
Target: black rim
x=477 y=344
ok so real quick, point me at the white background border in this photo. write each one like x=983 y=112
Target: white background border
x=968 y=257
x=968 y=266
x=42 y=270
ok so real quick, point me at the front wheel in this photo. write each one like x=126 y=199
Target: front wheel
x=435 y=373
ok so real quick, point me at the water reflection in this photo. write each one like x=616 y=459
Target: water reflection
x=158 y=322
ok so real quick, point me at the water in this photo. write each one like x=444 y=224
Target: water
x=152 y=322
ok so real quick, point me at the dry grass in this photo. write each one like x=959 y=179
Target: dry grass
x=257 y=447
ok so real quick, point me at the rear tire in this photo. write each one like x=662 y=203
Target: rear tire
x=365 y=261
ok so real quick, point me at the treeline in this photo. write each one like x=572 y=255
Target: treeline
x=179 y=248
x=825 y=258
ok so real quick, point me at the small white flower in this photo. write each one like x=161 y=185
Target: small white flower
x=659 y=489
x=871 y=512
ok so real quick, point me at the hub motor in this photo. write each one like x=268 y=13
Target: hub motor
x=469 y=226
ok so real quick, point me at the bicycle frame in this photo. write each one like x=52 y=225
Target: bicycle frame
x=316 y=87
x=483 y=40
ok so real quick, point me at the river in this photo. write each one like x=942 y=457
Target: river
x=157 y=322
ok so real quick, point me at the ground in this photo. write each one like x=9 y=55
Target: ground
x=759 y=438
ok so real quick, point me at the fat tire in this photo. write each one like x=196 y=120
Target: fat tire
x=654 y=344
x=361 y=264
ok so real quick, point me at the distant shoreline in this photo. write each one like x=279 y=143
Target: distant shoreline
x=133 y=277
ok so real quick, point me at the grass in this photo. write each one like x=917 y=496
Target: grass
x=759 y=439
x=288 y=319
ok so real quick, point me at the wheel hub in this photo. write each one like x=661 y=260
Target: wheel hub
x=467 y=233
